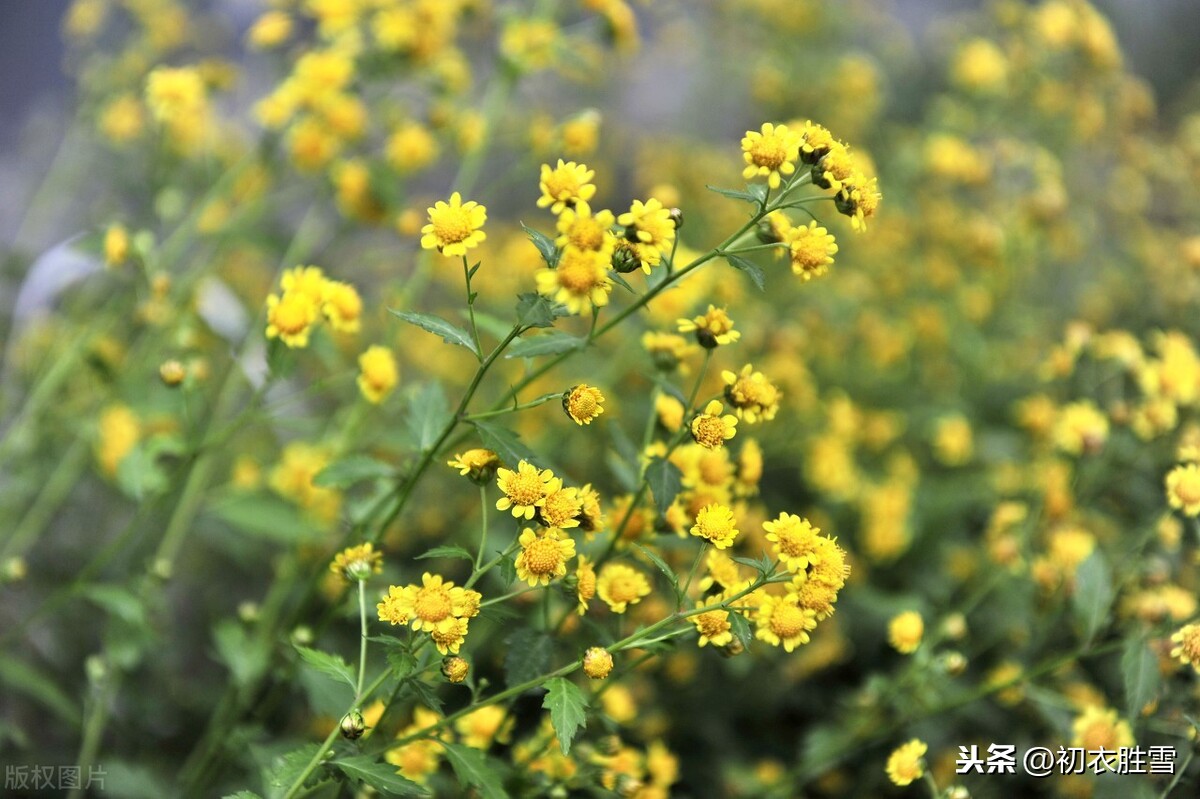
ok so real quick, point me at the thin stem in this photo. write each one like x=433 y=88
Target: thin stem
x=97 y=719
x=362 y=647
x=483 y=525
x=471 y=310
x=1187 y=761
x=934 y=792
x=524 y=406
x=695 y=567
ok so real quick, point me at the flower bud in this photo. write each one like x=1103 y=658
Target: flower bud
x=677 y=217
x=172 y=373
x=597 y=663
x=353 y=725
x=455 y=669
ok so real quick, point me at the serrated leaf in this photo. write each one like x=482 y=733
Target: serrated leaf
x=552 y=342
x=750 y=268
x=1139 y=669
x=617 y=278
x=528 y=656
x=287 y=768
x=428 y=414
x=508 y=571
x=534 y=310
x=350 y=470
x=473 y=767
x=667 y=571
x=1093 y=594
x=734 y=194
x=328 y=664
x=401 y=662
x=450 y=333
x=504 y=442
x=665 y=481
x=448 y=551
x=545 y=245
x=740 y=628
x=424 y=694
x=380 y=776
x=568 y=710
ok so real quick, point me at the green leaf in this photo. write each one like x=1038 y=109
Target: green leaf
x=475 y=768
x=428 y=414
x=758 y=191
x=448 y=551
x=534 y=310
x=401 y=661
x=139 y=475
x=504 y=442
x=671 y=576
x=528 y=656
x=237 y=651
x=740 y=628
x=119 y=602
x=762 y=564
x=734 y=194
x=665 y=481
x=264 y=516
x=1139 y=668
x=750 y=268
x=242 y=795
x=287 y=768
x=1093 y=594
x=19 y=677
x=617 y=278
x=328 y=664
x=545 y=245
x=380 y=776
x=552 y=342
x=350 y=470
x=450 y=333
x=568 y=710
x=508 y=570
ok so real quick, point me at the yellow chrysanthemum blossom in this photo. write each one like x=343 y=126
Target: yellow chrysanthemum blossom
x=713 y=428
x=713 y=626
x=565 y=185
x=906 y=764
x=591 y=232
x=562 y=508
x=712 y=328
x=119 y=432
x=795 y=541
x=435 y=604
x=716 y=523
x=905 y=631
x=811 y=249
x=341 y=305
x=597 y=663
x=782 y=621
x=579 y=281
x=1098 y=728
x=290 y=318
x=454 y=227
x=753 y=397
x=543 y=556
x=1187 y=646
x=620 y=586
x=525 y=489
x=583 y=403
x=650 y=228
x=378 y=373
x=357 y=562
x=478 y=464
x=480 y=728
x=1183 y=489
x=771 y=153
x=585 y=582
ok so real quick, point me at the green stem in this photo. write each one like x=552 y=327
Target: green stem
x=524 y=406
x=471 y=310
x=49 y=499
x=362 y=647
x=483 y=524
x=97 y=719
x=695 y=567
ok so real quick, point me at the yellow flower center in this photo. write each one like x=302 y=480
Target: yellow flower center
x=543 y=556
x=1098 y=735
x=524 y=488
x=1187 y=487
x=623 y=588
x=583 y=405
x=709 y=431
x=712 y=624
x=586 y=234
x=559 y=509
x=769 y=152
x=1189 y=643
x=561 y=184
x=433 y=604
x=787 y=620
x=577 y=276
x=451 y=224
x=291 y=314
x=586 y=587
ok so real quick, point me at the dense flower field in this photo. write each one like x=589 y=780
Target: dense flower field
x=603 y=398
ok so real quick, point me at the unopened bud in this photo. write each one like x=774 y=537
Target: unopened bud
x=353 y=725
x=172 y=372
x=455 y=669
x=597 y=663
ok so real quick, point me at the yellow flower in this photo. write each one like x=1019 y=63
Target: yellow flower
x=952 y=440
x=478 y=464
x=580 y=281
x=858 y=199
x=120 y=431
x=597 y=663
x=752 y=395
x=795 y=541
x=378 y=373
x=716 y=523
x=449 y=636
x=436 y=604
x=667 y=350
x=455 y=669
x=1080 y=427
x=420 y=758
x=307 y=280
x=905 y=631
x=669 y=412
x=292 y=478
x=650 y=229
x=1183 y=489
x=782 y=621
x=122 y=120
x=562 y=508
x=290 y=318
x=270 y=30
x=981 y=66
x=585 y=582
x=341 y=305
x=480 y=728
x=411 y=147
x=811 y=248
x=710 y=429
x=357 y=562
x=565 y=185
x=583 y=404
x=714 y=626
x=906 y=764
x=525 y=489
x=1187 y=646
x=620 y=586
x=391 y=609
x=815 y=142
x=175 y=94
x=713 y=328
x=579 y=227
x=454 y=227
x=771 y=154
x=544 y=556
x=1097 y=728
x=116 y=245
